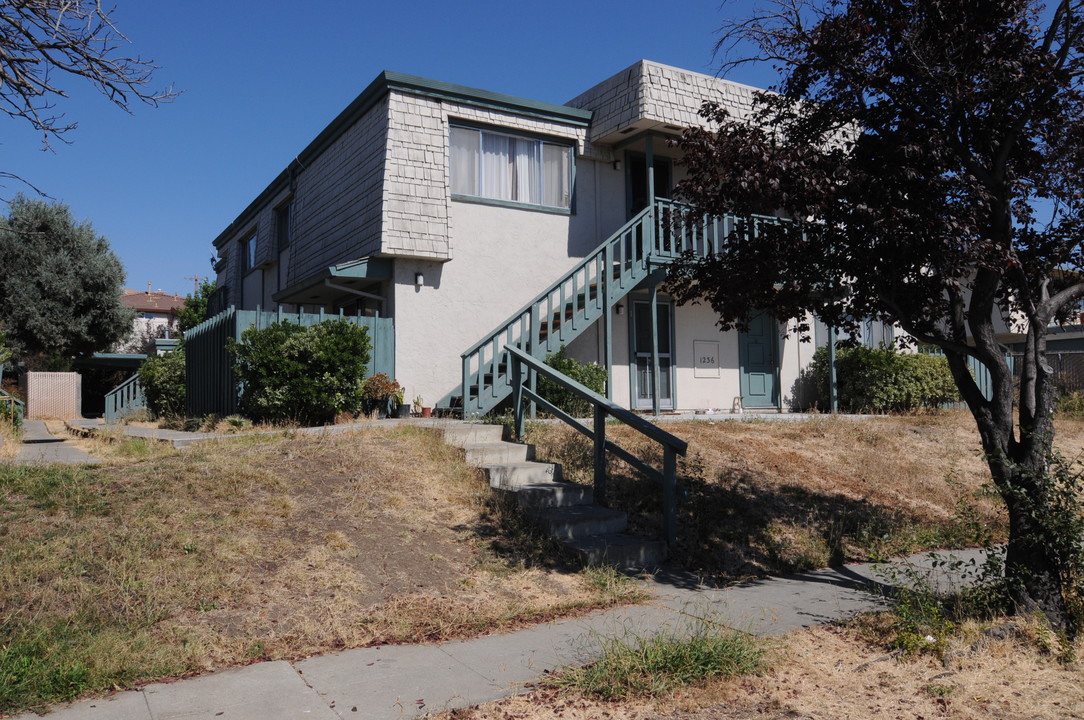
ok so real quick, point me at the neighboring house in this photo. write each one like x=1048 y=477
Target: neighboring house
x=156 y=317
x=448 y=208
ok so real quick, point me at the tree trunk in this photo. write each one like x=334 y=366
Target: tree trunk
x=1021 y=471
x=1031 y=561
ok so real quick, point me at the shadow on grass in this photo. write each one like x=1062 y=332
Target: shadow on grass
x=741 y=525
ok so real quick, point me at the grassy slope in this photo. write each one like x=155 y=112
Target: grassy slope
x=771 y=497
x=169 y=563
x=250 y=549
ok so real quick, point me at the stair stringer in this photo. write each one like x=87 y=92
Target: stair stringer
x=558 y=315
x=650 y=240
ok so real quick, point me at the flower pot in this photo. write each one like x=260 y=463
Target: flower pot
x=403 y=411
x=427 y=412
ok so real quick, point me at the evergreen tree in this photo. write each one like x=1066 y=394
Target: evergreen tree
x=60 y=284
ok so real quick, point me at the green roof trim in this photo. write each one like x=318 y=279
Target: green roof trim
x=491 y=100
x=371 y=95
x=363 y=269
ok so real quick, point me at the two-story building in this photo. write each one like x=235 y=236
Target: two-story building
x=474 y=218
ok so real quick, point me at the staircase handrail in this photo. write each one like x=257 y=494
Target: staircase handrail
x=602 y=407
x=656 y=236
x=18 y=402
x=124 y=398
x=18 y=407
x=592 y=256
x=661 y=204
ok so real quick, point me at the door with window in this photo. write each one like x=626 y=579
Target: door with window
x=643 y=375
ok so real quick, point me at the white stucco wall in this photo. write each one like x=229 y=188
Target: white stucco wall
x=504 y=258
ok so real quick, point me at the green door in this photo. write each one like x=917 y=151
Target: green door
x=758 y=356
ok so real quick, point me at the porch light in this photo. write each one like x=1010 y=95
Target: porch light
x=619 y=308
x=617 y=164
x=419 y=279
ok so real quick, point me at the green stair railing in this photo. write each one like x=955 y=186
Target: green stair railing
x=655 y=237
x=525 y=368
x=12 y=404
x=124 y=399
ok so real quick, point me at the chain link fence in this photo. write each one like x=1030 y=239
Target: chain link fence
x=1068 y=369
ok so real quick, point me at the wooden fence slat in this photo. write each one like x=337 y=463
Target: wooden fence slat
x=211 y=385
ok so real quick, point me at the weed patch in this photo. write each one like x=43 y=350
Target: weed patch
x=657 y=665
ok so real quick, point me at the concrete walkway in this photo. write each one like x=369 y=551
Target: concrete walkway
x=405 y=681
x=41 y=447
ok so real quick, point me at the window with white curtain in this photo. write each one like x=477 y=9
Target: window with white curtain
x=510 y=168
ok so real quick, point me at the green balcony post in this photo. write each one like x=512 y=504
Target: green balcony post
x=656 y=390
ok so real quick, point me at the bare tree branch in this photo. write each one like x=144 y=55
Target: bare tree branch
x=44 y=42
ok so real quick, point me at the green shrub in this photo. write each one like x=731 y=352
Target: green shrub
x=590 y=375
x=163 y=380
x=883 y=380
x=304 y=374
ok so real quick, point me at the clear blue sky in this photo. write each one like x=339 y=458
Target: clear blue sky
x=260 y=80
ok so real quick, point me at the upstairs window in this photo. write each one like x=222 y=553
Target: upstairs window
x=248 y=253
x=510 y=168
x=282 y=226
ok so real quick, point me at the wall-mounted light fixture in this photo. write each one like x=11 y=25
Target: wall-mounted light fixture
x=619 y=308
x=419 y=279
x=617 y=164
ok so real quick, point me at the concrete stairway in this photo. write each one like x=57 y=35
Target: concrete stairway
x=567 y=510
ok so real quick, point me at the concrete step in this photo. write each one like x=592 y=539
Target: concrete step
x=580 y=521
x=508 y=476
x=472 y=434
x=623 y=551
x=497 y=453
x=552 y=495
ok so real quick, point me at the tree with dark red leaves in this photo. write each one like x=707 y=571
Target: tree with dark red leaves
x=931 y=155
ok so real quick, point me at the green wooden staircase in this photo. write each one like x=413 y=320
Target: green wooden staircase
x=584 y=295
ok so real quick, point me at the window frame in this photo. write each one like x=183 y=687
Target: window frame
x=568 y=145
x=248 y=252
x=284 y=230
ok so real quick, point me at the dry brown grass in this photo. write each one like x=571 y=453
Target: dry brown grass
x=9 y=441
x=256 y=547
x=832 y=673
x=786 y=496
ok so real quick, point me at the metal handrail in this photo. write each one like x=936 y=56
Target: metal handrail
x=14 y=403
x=671 y=444
x=656 y=236
x=593 y=256
x=123 y=399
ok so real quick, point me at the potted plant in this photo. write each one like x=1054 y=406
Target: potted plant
x=420 y=409
x=382 y=395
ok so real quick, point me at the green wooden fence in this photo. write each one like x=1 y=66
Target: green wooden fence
x=211 y=386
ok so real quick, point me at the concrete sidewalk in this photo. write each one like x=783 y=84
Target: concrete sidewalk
x=41 y=447
x=405 y=681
